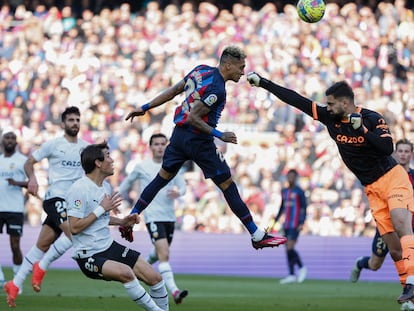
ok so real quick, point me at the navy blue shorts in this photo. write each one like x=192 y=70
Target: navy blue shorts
x=201 y=149
x=92 y=266
x=291 y=234
x=379 y=247
x=161 y=230
x=55 y=209
x=13 y=221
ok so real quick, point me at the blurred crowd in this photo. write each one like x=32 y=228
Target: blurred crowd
x=107 y=62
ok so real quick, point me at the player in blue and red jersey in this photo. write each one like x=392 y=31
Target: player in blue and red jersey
x=193 y=138
x=365 y=144
x=293 y=206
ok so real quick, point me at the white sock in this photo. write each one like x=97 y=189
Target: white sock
x=1 y=274
x=138 y=294
x=410 y=280
x=167 y=274
x=159 y=295
x=16 y=269
x=35 y=254
x=152 y=256
x=258 y=235
x=56 y=250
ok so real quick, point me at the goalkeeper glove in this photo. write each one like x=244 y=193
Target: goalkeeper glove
x=253 y=78
x=356 y=121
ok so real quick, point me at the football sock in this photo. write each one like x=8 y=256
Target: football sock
x=35 y=254
x=407 y=244
x=239 y=208
x=1 y=274
x=363 y=263
x=152 y=256
x=291 y=261
x=149 y=193
x=56 y=250
x=402 y=272
x=296 y=258
x=138 y=294
x=258 y=235
x=168 y=276
x=15 y=269
x=159 y=294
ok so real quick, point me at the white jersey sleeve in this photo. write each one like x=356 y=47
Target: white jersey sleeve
x=12 y=197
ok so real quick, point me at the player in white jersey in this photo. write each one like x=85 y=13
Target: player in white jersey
x=160 y=215
x=63 y=154
x=12 y=179
x=100 y=257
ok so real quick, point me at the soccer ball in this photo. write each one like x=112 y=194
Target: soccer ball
x=311 y=11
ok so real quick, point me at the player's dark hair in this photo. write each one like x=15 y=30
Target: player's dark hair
x=340 y=89
x=70 y=110
x=158 y=135
x=293 y=171
x=404 y=141
x=232 y=53
x=92 y=153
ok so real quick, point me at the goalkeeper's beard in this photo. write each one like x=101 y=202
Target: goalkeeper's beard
x=337 y=117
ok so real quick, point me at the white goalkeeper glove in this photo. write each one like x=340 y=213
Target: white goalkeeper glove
x=356 y=120
x=253 y=78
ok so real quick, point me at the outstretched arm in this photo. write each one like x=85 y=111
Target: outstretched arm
x=159 y=100
x=284 y=94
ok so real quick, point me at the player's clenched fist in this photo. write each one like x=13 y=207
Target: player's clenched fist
x=253 y=78
x=356 y=120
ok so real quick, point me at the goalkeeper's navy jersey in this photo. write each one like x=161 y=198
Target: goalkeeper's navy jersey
x=367 y=161
x=206 y=84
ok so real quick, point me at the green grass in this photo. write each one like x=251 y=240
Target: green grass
x=70 y=290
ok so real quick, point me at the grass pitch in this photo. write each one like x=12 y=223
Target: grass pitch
x=69 y=290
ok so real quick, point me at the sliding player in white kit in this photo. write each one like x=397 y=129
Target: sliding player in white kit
x=90 y=202
x=63 y=154
x=160 y=215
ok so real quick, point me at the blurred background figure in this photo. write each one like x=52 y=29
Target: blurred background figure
x=293 y=207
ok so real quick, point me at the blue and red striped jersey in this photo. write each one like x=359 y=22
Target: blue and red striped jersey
x=293 y=206
x=204 y=83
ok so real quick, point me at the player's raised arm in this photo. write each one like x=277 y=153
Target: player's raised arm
x=287 y=95
x=159 y=100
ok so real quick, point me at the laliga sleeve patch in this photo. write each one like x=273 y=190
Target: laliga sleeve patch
x=210 y=100
x=77 y=204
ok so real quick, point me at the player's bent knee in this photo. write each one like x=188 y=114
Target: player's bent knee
x=126 y=275
x=223 y=180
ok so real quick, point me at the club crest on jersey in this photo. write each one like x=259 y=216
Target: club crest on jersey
x=211 y=99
